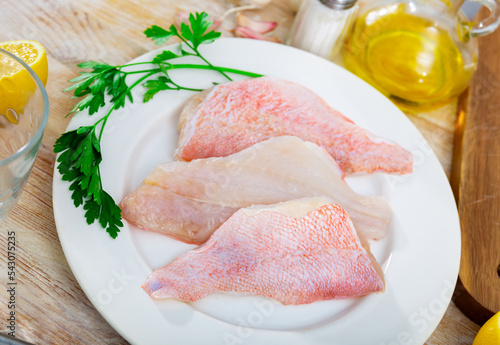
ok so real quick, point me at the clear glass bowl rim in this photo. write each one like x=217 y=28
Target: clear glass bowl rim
x=41 y=129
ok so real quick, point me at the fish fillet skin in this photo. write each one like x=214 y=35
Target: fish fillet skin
x=269 y=172
x=293 y=260
x=230 y=117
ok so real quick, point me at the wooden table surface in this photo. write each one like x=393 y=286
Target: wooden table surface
x=51 y=308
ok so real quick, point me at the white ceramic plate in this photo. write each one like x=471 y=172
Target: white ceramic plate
x=420 y=256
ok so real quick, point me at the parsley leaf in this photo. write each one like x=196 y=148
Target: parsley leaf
x=195 y=33
x=98 y=66
x=167 y=55
x=155 y=86
x=160 y=35
x=192 y=35
x=79 y=164
x=103 y=79
x=107 y=213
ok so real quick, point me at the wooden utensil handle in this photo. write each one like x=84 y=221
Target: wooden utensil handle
x=476 y=182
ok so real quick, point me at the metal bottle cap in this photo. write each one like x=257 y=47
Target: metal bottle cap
x=339 y=4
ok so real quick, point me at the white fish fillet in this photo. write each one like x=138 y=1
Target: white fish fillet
x=269 y=172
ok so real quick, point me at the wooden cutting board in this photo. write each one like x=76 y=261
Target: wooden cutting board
x=476 y=181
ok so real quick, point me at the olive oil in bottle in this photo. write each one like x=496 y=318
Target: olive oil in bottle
x=409 y=56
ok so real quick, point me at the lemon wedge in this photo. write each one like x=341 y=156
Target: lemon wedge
x=489 y=334
x=16 y=85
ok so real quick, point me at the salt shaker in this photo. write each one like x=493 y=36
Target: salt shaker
x=321 y=26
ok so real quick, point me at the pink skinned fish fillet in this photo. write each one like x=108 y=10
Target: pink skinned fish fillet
x=231 y=117
x=190 y=200
x=270 y=252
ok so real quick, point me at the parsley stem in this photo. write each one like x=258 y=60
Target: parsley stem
x=193 y=48
x=124 y=94
x=136 y=63
x=221 y=70
x=216 y=68
x=156 y=70
x=224 y=69
x=197 y=66
x=182 y=87
x=189 y=89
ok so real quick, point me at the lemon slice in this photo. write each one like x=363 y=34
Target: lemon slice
x=405 y=64
x=16 y=85
x=489 y=334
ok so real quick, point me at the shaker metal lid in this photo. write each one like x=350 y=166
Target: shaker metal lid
x=339 y=4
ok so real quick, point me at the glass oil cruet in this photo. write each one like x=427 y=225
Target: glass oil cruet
x=421 y=54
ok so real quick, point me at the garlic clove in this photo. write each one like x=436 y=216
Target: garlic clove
x=216 y=24
x=245 y=32
x=256 y=25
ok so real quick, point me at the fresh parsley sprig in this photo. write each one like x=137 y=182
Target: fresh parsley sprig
x=79 y=164
x=106 y=85
x=192 y=36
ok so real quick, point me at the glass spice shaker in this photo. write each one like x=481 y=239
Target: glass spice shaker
x=321 y=26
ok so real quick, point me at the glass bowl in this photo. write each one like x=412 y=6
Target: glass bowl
x=24 y=112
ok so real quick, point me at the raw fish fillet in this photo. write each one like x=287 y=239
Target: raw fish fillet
x=271 y=252
x=155 y=208
x=178 y=198
x=231 y=117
